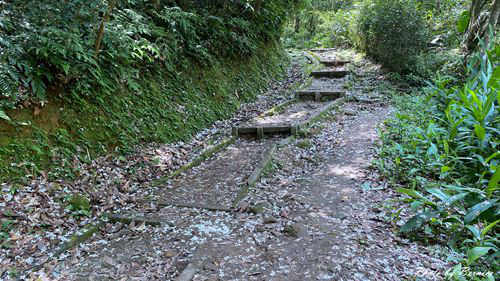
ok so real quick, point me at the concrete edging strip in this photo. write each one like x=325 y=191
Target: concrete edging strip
x=256 y=174
x=197 y=161
x=188 y=205
x=324 y=109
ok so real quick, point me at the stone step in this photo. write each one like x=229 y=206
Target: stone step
x=334 y=62
x=316 y=95
x=330 y=73
x=260 y=131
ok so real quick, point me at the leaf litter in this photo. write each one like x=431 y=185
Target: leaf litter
x=36 y=217
x=309 y=218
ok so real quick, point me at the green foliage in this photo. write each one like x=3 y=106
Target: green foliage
x=393 y=32
x=5 y=229
x=463 y=22
x=159 y=111
x=447 y=19
x=46 y=43
x=445 y=147
x=165 y=70
x=319 y=23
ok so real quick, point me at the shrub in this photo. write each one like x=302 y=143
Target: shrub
x=391 y=31
x=54 y=45
x=443 y=149
x=340 y=28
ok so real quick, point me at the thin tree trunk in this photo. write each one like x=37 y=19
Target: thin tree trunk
x=100 y=33
x=474 y=29
x=297 y=23
x=258 y=4
x=493 y=20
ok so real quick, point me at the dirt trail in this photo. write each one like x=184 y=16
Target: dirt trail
x=315 y=215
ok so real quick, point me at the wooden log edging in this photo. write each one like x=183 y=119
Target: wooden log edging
x=255 y=175
x=197 y=161
x=277 y=109
x=260 y=131
x=312 y=57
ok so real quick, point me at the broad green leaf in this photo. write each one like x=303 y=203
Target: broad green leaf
x=495 y=79
x=476 y=210
x=439 y=194
x=488 y=228
x=493 y=184
x=455 y=198
x=457 y=272
x=477 y=252
x=474 y=230
x=65 y=67
x=3 y=115
x=491 y=157
x=445 y=169
x=412 y=224
x=432 y=151
x=463 y=22
x=410 y=192
x=446 y=149
x=480 y=132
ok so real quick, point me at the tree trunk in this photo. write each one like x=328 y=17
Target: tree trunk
x=474 y=29
x=297 y=23
x=493 y=20
x=258 y=4
x=100 y=33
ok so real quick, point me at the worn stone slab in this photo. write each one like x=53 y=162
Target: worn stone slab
x=196 y=264
x=330 y=73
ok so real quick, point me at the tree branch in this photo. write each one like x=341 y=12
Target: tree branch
x=100 y=33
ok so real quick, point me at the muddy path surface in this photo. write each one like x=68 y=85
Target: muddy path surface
x=314 y=212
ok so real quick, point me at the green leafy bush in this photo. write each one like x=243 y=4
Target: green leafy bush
x=319 y=24
x=443 y=150
x=52 y=43
x=391 y=31
x=164 y=70
x=340 y=28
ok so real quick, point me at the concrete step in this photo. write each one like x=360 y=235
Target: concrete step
x=334 y=62
x=318 y=95
x=260 y=131
x=330 y=73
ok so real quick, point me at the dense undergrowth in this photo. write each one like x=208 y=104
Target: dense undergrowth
x=442 y=151
x=163 y=70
